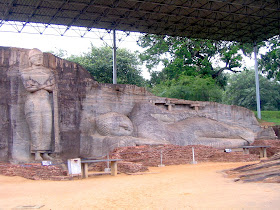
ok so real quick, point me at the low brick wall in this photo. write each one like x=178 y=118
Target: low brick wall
x=34 y=171
x=123 y=167
x=234 y=157
x=171 y=154
x=175 y=155
x=139 y=158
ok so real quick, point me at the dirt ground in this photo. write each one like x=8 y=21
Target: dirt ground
x=172 y=187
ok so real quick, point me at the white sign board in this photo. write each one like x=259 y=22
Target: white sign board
x=46 y=163
x=74 y=166
x=227 y=150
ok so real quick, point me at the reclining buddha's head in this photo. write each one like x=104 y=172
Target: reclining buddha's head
x=114 y=124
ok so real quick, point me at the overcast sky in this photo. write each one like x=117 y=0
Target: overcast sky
x=71 y=42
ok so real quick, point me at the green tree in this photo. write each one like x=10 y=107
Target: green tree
x=241 y=91
x=189 y=88
x=99 y=62
x=189 y=57
x=270 y=61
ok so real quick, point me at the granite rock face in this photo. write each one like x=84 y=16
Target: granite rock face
x=187 y=128
x=90 y=119
x=70 y=89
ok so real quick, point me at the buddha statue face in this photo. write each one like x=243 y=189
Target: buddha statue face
x=114 y=124
x=36 y=57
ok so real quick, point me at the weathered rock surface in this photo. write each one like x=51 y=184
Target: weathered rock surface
x=71 y=81
x=132 y=115
x=187 y=128
x=266 y=133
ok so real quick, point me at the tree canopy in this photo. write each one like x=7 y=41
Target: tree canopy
x=241 y=91
x=99 y=62
x=190 y=71
x=270 y=61
x=189 y=57
x=190 y=88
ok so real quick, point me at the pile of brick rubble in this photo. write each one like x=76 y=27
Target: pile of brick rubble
x=139 y=158
x=34 y=171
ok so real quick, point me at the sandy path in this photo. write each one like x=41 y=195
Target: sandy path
x=173 y=187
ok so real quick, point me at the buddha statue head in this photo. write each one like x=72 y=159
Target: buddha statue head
x=114 y=124
x=36 y=57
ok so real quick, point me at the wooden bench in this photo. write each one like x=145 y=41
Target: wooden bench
x=263 y=153
x=113 y=164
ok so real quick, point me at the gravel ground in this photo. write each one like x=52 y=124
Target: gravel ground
x=198 y=186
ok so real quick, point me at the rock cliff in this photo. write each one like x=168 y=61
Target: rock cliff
x=78 y=101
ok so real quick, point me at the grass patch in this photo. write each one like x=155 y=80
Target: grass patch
x=270 y=116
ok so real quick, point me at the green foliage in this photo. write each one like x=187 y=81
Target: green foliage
x=189 y=57
x=270 y=116
x=270 y=64
x=270 y=61
x=99 y=62
x=189 y=88
x=230 y=56
x=241 y=91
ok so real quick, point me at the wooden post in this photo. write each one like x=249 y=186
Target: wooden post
x=85 y=170
x=114 y=168
x=264 y=152
x=246 y=151
x=169 y=107
x=261 y=152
